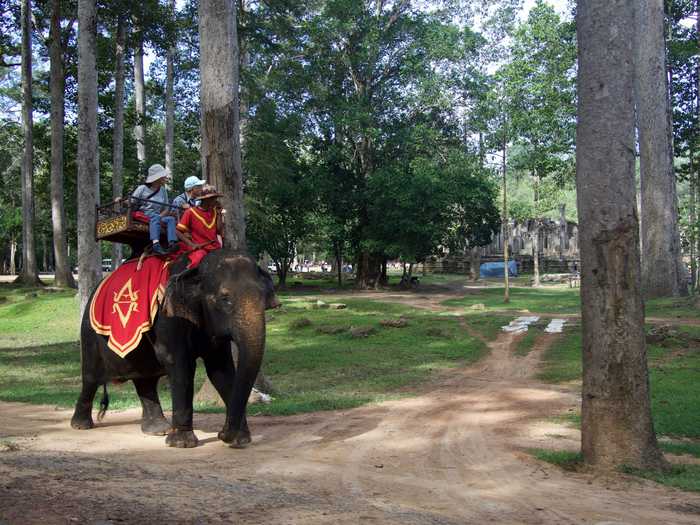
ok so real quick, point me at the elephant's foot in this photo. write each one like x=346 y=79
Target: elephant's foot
x=155 y=426
x=181 y=439
x=235 y=438
x=79 y=422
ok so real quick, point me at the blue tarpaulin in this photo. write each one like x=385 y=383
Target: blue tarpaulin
x=495 y=269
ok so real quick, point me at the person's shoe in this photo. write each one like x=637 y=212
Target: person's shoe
x=158 y=249
x=172 y=247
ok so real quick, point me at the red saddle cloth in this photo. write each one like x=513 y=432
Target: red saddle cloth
x=126 y=302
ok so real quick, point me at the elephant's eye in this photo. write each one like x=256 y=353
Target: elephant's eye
x=226 y=301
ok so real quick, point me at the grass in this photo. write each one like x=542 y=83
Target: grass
x=40 y=358
x=562 y=458
x=546 y=299
x=674 y=364
x=562 y=360
x=319 y=371
x=685 y=477
x=681 y=448
x=526 y=343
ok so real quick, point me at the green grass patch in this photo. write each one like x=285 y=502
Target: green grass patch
x=680 y=449
x=562 y=458
x=546 y=299
x=27 y=321
x=527 y=341
x=685 y=307
x=685 y=477
x=562 y=360
x=313 y=370
x=488 y=325
x=40 y=357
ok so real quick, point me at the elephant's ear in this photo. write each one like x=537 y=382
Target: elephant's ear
x=271 y=300
x=183 y=297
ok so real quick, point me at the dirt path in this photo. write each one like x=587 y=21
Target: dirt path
x=453 y=455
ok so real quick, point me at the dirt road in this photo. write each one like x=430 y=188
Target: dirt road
x=452 y=455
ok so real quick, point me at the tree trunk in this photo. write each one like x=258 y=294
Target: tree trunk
x=474 y=263
x=368 y=270
x=169 y=99
x=563 y=231
x=616 y=428
x=140 y=100
x=221 y=152
x=89 y=267
x=506 y=224
x=244 y=64
x=282 y=268
x=29 y=275
x=13 y=256
x=62 y=270
x=536 y=255
x=118 y=132
x=662 y=273
x=339 y=263
x=692 y=237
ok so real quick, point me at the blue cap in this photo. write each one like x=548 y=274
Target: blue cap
x=191 y=182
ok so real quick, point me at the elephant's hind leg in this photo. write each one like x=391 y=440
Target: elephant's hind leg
x=82 y=416
x=153 y=421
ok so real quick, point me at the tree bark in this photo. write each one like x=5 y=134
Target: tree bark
x=616 y=428
x=169 y=99
x=221 y=146
x=29 y=275
x=89 y=267
x=474 y=262
x=118 y=132
x=563 y=231
x=662 y=273
x=536 y=255
x=693 y=218
x=62 y=270
x=140 y=100
x=506 y=224
x=13 y=256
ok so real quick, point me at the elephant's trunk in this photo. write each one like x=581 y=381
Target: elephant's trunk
x=249 y=336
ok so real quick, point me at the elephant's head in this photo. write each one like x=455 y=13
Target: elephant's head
x=226 y=297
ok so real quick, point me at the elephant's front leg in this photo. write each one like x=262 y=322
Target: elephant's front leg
x=180 y=365
x=222 y=374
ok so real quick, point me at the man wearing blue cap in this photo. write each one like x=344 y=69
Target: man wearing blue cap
x=193 y=187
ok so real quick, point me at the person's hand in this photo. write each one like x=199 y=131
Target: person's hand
x=185 y=206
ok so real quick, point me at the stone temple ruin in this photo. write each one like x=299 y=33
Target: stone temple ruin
x=558 y=249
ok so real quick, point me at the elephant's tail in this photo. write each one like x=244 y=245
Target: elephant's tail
x=104 y=403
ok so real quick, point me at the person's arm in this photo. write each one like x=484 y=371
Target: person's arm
x=185 y=237
x=219 y=221
x=165 y=209
x=183 y=230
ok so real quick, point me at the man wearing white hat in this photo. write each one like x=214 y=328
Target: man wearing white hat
x=193 y=185
x=153 y=195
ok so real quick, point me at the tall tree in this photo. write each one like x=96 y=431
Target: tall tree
x=169 y=97
x=616 y=427
x=29 y=274
x=221 y=146
x=118 y=133
x=62 y=267
x=662 y=270
x=140 y=93
x=89 y=267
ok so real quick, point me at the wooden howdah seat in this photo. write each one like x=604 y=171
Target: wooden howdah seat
x=120 y=221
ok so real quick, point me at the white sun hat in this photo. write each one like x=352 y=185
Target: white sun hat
x=192 y=181
x=156 y=172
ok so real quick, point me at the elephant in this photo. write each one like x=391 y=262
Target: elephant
x=203 y=311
